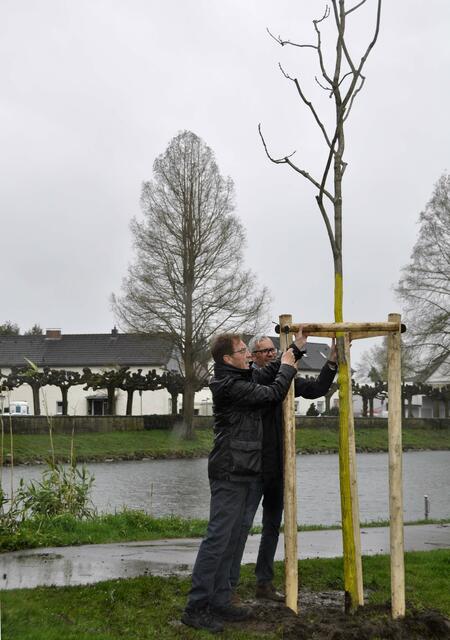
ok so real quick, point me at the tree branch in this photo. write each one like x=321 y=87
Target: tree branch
x=355 y=7
x=286 y=160
x=307 y=103
x=288 y=42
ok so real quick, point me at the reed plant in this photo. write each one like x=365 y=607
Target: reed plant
x=62 y=489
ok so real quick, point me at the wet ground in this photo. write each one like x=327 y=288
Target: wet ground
x=321 y=617
x=93 y=563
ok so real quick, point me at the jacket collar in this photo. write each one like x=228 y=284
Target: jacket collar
x=222 y=370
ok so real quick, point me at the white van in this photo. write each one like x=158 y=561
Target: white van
x=18 y=408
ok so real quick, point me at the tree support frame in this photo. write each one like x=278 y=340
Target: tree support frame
x=353 y=578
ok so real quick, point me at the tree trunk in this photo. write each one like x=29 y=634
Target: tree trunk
x=111 y=403
x=410 y=407
x=36 y=401
x=371 y=407
x=174 y=403
x=347 y=479
x=365 y=406
x=129 y=409
x=189 y=286
x=64 y=394
x=188 y=407
x=436 y=409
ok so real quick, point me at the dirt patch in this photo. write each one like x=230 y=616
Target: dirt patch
x=321 y=617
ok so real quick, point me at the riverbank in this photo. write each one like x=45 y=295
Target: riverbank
x=150 y=606
x=161 y=444
x=130 y=526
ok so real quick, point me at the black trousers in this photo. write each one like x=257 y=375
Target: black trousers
x=271 y=491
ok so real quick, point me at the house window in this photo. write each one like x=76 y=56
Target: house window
x=59 y=407
x=97 y=406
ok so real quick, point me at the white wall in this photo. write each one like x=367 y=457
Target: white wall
x=152 y=401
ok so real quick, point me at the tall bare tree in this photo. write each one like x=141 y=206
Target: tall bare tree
x=341 y=82
x=188 y=279
x=424 y=286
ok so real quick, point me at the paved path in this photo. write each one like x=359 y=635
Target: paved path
x=92 y=563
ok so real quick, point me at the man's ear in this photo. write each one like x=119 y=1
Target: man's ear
x=227 y=359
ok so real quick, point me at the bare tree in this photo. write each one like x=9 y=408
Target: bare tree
x=64 y=380
x=342 y=83
x=373 y=365
x=31 y=376
x=108 y=379
x=136 y=381
x=188 y=280
x=424 y=286
x=368 y=393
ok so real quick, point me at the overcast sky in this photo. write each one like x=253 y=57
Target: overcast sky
x=93 y=90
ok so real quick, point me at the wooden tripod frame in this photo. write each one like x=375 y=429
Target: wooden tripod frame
x=352 y=537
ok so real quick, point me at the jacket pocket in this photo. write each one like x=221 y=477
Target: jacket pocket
x=245 y=457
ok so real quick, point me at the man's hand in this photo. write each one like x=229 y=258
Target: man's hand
x=333 y=351
x=288 y=358
x=300 y=339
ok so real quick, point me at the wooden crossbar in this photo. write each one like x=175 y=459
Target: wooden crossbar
x=357 y=329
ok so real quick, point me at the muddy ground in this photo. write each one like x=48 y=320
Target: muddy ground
x=321 y=617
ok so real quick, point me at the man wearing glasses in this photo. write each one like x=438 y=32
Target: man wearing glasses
x=264 y=367
x=234 y=466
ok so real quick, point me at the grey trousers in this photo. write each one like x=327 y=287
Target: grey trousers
x=211 y=574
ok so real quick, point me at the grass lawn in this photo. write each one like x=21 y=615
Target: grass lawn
x=162 y=444
x=150 y=607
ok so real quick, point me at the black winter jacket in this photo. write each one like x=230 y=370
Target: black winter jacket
x=272 y=416
x=238 y=429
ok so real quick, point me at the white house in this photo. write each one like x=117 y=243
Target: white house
x=100 y=352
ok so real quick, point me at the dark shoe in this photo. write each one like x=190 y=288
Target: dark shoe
x=231 y=613
x=266 y=591
x=201 y=619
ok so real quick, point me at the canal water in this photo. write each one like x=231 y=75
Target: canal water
x=180 y=487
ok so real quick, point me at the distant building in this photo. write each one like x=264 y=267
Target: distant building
x=102 y=351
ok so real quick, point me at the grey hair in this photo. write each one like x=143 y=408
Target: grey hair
x=253 y=344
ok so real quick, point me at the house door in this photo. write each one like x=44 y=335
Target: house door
x=97 y=406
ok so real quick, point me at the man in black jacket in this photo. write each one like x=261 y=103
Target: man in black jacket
x=264 y=368
x=234 y=465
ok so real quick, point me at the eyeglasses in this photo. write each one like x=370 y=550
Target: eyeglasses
x=243 y=350
x=265 y=351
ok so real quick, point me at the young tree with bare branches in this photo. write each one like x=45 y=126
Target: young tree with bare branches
x=188 y=279
x=342 y=83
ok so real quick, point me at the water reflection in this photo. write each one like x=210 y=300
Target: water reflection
x=180 y=487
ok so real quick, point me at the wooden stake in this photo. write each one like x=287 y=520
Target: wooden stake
x=395 y=471
x=290 y=485
x=354 y=481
